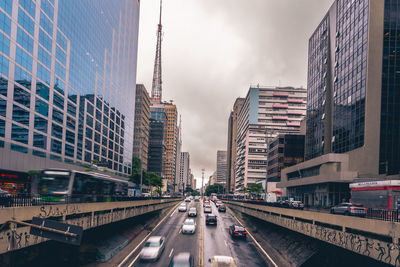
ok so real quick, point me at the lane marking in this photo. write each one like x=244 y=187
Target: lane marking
x=180 y=230
x=134 y=260
x=144 y=239
x=226 y=244
x=170 y=254
x=255 y=242
x=201 y=254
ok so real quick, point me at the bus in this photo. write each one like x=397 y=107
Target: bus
x=58 y=185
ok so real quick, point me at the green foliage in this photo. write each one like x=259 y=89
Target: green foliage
x=255 y=188
x=135 y=176
x=153 y=179
x=33 y=172
x=215 y=188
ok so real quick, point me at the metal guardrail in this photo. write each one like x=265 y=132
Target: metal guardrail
x=26 y=200
x=377 y=214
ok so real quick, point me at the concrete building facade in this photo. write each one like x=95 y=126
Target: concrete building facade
x=221 y=167
x=266 y=111
x=232 y=145
x=171 y=144
x=63 y=97
x=141 y=125
x=352 y=109
x=184 y=172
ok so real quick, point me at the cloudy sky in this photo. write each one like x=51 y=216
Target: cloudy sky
x=213 y=50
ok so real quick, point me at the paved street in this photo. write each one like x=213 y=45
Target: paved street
x=205 y=243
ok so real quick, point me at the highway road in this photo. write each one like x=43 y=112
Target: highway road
x=208 y=241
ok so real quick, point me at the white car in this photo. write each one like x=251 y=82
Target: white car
x=192 y=212
x=182 y=207
x=153 y=248
x=189 y=226
x=222 y=261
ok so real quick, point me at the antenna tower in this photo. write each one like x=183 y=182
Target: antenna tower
x=156 y=88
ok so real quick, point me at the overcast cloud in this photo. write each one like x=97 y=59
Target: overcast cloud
x=213 y=50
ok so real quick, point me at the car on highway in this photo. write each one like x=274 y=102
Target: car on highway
x=187 y=199
x=296 y=205
x=207 y=209
x=211 y=219
x=222 y=208
x=218 y=203
x=153 y=248
x=192 y=212
x=182 y=207
x=349 y=209
x=206 y=202
x=222 y=261
x=196 y=199
x=237 y=231
x=182 y=259
x=189 y=226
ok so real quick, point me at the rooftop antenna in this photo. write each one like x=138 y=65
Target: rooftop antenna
x=156 y=88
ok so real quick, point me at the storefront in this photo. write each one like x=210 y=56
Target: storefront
x=15 y=182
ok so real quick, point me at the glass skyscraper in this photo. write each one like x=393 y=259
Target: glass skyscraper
x=67 y=79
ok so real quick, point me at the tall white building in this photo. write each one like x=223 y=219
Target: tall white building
x=184 y=170
x=266 y=112
x=221 y=167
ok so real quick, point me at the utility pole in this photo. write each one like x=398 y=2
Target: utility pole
x=202 y=181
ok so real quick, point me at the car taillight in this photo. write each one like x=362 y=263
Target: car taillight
x=352 y=208
x=244 y=232
x=236 y=232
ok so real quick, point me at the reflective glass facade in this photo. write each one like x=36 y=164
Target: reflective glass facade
x=67 y=79
x=389 y=156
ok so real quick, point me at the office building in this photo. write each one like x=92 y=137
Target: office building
x=266 y=112
x=171 y=144
x=221 y=167
x=232 y=145
x=184 y=173
x=157 y=136
x=284 y=150
x=67 y=83
x=353 y=108
x=141 y=125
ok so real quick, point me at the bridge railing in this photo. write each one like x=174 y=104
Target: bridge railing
x=24 y=200
x=378 y=214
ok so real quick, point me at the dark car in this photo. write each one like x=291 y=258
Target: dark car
x=183 y=259
x=349 y=209
x=222 y=208
x=296 y=205
x=237 y=231
x=211 y=219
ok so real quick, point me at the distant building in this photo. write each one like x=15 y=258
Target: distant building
x=184 y=170
x=141 y=125
x=221 y=167
x=213 y=178
x=266 y=112
x=171 y=144
x=156 y=147
x=232 y=145
x=353 y=103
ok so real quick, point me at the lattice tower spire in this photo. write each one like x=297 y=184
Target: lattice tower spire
x=156 y=88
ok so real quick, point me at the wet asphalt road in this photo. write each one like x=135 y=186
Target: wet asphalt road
x=205 y=243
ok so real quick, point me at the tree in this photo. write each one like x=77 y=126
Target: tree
x=135 y=176
x=153 y=179
x=215 y=188
x=255 y=188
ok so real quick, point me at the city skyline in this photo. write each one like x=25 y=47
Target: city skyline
x=275 y=59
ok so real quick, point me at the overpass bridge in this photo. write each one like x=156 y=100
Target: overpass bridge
x=369 y=237
x=86 y=215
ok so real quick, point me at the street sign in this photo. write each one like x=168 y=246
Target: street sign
x=54 y=230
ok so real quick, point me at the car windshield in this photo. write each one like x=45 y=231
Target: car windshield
x=239 y=228
x=189 y=222
x=192 y=209
x=151 y=244
x=51 y=184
